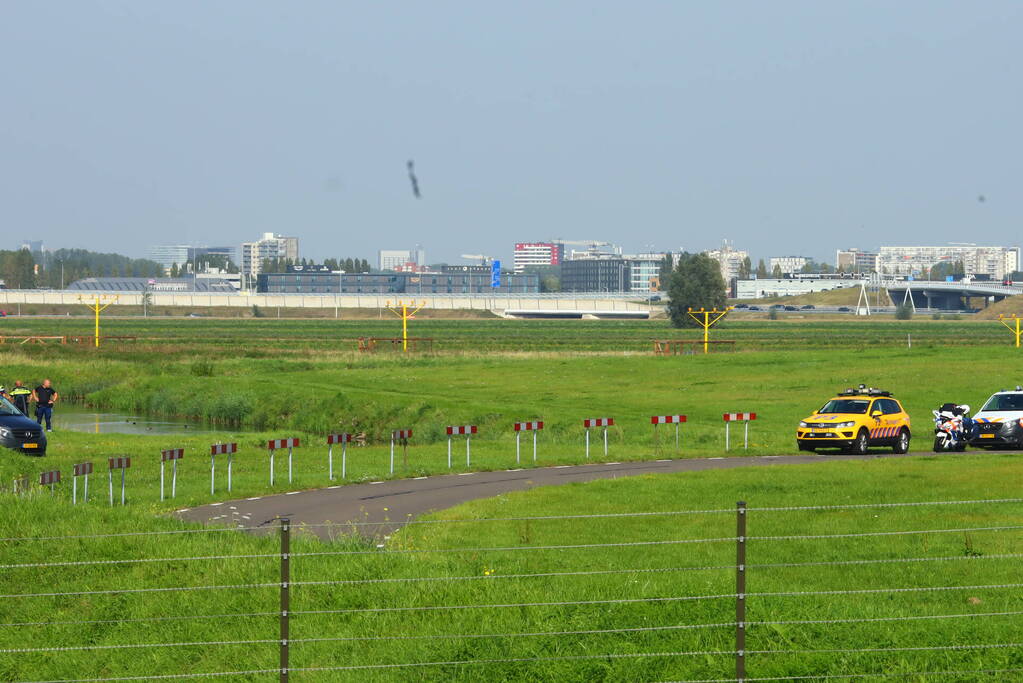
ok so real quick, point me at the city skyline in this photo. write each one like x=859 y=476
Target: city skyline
x=794 y=130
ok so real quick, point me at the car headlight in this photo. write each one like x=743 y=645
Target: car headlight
x=845 y=425
x=803 y=425
x=4 y=432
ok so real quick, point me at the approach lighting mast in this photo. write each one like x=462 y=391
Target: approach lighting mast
x=404 y=314
x=703 y=319
x=99 y=304
x=1014 y=328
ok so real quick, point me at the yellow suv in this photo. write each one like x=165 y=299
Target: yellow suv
x=855 y=420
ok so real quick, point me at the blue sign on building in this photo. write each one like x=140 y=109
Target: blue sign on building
x=495 y=274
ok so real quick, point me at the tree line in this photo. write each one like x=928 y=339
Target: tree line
x=22 y=269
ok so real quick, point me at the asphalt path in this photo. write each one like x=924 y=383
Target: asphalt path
x=379 y=508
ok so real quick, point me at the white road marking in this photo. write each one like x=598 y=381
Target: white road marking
x=253 y=498
x=465 y=474
x=717 y=458
x=213 y=505
x=664 y=461
x=233 y=507
x=183 y=510
x=333 y=487
x=420 y=477
x=291 y=493
x=614 y=463
x=561 y=467
x=376 y=482
x=517 y=470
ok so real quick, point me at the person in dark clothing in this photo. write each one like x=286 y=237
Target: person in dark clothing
x=45 y=396
x=20 y=396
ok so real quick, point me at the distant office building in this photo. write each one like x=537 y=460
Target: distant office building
x=729 y=259
x=318 y=281
x=401 y=259
x=993 y=262
x=168 y=255
x=34 y=246
x=529 y=254
x=788 y=264
x=856 y=261
x=612 y=274
x=645 y=272
x=771 y=287
x=269 y=246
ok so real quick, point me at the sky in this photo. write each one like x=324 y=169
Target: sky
x=786 y=127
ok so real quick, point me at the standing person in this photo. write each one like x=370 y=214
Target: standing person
x=20 y=395
x=45 y=396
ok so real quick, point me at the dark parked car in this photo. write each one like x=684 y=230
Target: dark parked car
x=19 y=433
x=790 y=308
x=843 y=309
x=754 y=308
x=808 y=307
x=742 y=305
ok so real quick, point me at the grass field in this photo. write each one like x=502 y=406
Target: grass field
x=411 y=574
x=299 y=378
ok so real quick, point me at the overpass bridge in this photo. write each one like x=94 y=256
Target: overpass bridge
x=949 y=295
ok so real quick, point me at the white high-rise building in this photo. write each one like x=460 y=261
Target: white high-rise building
x=270 y=246
x=729 y=259
x=399 y=259
x=994 y=262
x=645 y=272
x=788 y=264
x=856 y=261
x=528 y=254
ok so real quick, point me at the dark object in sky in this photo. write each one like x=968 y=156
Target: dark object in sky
x=412 y=177
x=982 y=199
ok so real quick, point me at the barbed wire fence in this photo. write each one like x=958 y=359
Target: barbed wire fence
x=311 y=622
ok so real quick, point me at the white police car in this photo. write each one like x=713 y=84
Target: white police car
x=999 y=424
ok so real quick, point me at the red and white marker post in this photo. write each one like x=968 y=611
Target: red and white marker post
x=520 y=427
x=344 y=440
x=468 y=431
x=120 y=463
x=667 y=420
x=172 y=454
x=402 y=436
x=604 y=422
x=278 y=444
x=216 y=449
x=745 y=418
x=49 y=479
x=83 y=469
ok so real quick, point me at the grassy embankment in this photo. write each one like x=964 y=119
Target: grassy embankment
x=492 y=577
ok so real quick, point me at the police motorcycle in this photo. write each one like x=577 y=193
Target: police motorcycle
x=953 y=427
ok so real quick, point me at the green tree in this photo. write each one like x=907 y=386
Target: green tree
x=664 y=271
x=349 y=265
x=776 y=272
x=695 y=283
x=761 y=269
x=904 y=311
x=746 y=269
x=174 y=270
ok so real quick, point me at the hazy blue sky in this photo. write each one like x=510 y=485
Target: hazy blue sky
x=788 y=127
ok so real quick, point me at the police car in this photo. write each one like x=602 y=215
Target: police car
x=855 y=420
x=999 y=424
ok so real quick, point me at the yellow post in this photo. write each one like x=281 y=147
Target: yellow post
x=1016 y=330
x=404 y=315
x=96 y=308
x=706 y=323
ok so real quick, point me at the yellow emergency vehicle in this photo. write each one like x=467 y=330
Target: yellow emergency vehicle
x=855 y=420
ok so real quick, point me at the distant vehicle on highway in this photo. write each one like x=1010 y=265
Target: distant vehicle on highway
x=754 y=308
x=791 y=308
x=194 y=315
x=741 y=306
x=808 y=307
x=843 y=309
x=655 y=297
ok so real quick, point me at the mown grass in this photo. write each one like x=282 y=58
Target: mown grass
x=397 y=577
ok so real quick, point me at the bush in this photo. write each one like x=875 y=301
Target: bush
x=936 y=316
x=772 y=313
x=904 y=311
x=202 y=368
x=257 y=312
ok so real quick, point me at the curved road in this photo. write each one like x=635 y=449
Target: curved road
x=380 y=507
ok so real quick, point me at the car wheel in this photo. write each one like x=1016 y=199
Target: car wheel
x=902 y=442
x=859 y=446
